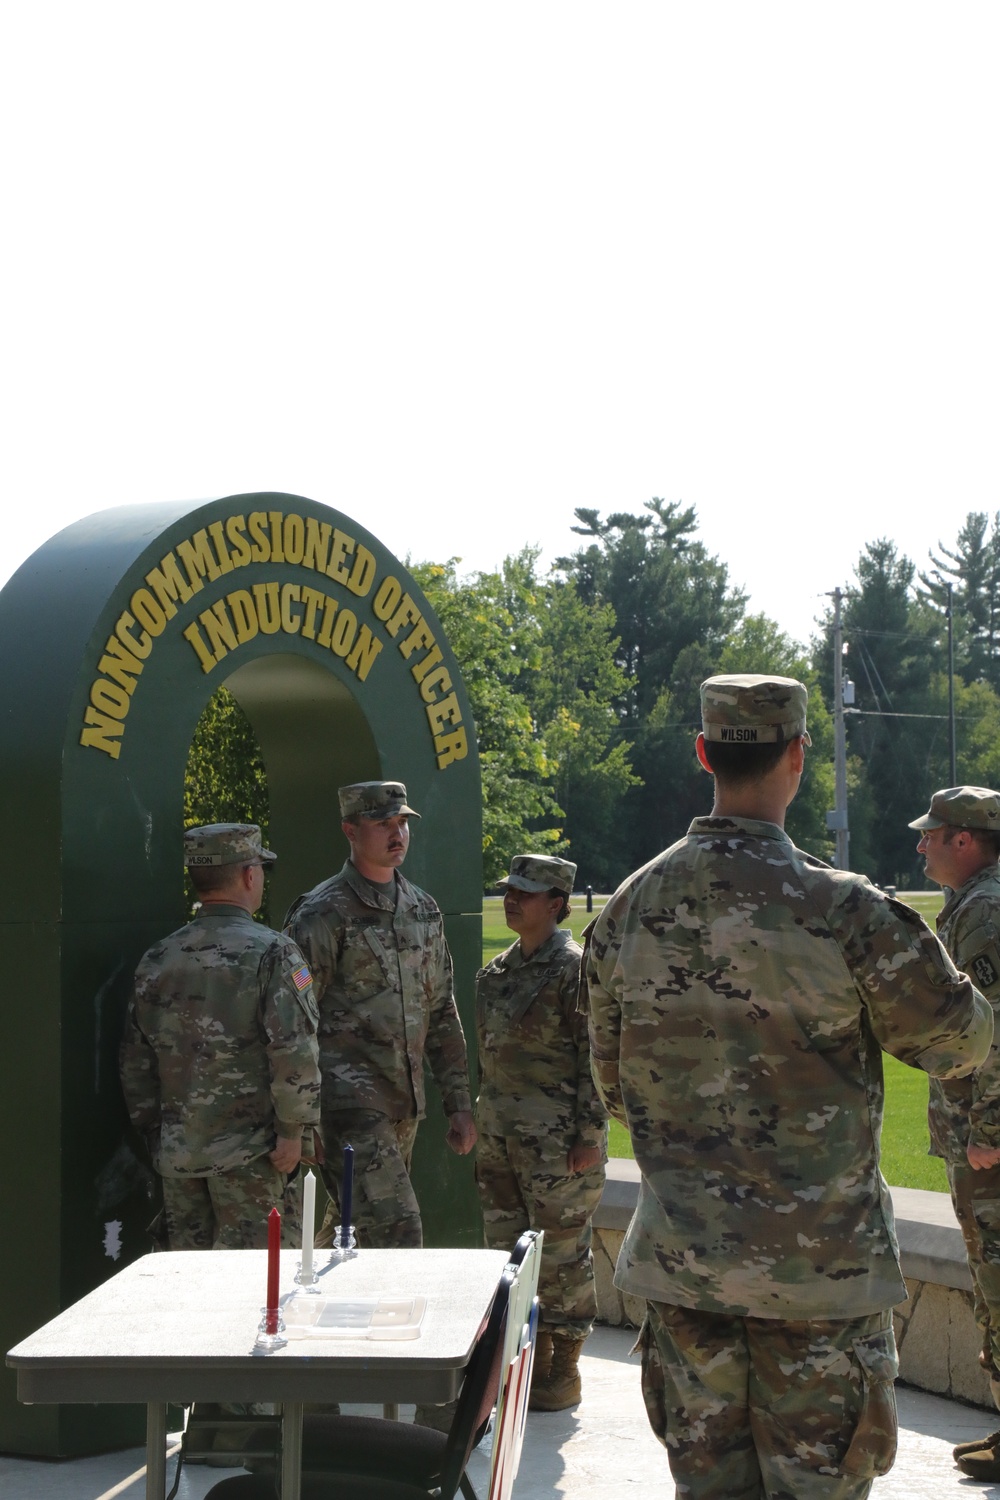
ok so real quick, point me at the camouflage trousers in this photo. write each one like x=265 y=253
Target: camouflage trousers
x=386 y=1213
x=976 y=1199
x=227 y=1211
x=749 y=1408
x=523 y=1186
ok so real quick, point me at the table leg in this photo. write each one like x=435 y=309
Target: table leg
x=156 y=1451
x=390 y=1410
x=291 y=1450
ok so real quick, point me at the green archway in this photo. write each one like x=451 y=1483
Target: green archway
x=115 y=635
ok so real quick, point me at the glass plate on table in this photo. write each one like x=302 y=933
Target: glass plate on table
x=353 y=1318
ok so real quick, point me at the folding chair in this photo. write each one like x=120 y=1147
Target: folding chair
x=518 y=1363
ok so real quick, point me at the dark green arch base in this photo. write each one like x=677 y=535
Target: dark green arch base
x=115 y=635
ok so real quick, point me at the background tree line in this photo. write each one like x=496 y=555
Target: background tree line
x=584 y=679
x=584 y=685
x=896 y=640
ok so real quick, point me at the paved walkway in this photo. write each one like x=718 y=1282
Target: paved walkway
x=603 y=1449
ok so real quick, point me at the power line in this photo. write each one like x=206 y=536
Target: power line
x=881 y=713
x=889 y=635
x=869 y=666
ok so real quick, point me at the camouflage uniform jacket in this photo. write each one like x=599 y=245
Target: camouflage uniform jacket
x=964 y=1110
x=384 y=980
x=740 y=991
x=219 y=1052
x=534 y=1048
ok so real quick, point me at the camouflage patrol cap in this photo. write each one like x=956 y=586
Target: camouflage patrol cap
x=750 y=709
x=375 y=799
x=225 y=844
x=962 y=807
x=540 y=872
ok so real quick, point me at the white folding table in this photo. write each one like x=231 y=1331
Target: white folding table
x=180 y=1327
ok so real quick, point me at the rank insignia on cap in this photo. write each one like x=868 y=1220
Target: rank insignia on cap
x=985 y=970
x=301 y=977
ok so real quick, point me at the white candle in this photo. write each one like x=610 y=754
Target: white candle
x=308 y=1223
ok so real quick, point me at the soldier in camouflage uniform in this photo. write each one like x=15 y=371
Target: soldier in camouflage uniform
x=960 y=842
x=219 y=1060
x=740 y=993
x=542 y=1129
x=376 y=946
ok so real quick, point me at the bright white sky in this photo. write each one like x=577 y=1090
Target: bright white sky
x=457 y=269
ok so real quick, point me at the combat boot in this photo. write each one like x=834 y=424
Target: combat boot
x=993 y=1441
x=983 y=1463
x=562 y=1387
x=542 y=1366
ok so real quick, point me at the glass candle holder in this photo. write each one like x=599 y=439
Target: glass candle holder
x=271 y=1331
x=307 y=1280
x=350 y=1249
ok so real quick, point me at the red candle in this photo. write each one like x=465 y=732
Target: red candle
x=273 y=1266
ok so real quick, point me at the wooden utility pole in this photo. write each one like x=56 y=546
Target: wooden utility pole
x=952 y=759
x=836 y=820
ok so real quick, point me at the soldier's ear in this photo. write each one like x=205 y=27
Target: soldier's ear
x=699 y=746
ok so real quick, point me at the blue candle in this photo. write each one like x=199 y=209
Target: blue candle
x=346 y=1195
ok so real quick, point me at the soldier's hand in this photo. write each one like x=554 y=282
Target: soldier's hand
x=461 y=1135
x=981 y=1157
x=580 y=1157
x=286 y=1155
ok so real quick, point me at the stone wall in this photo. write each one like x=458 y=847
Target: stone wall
x=935 y=1330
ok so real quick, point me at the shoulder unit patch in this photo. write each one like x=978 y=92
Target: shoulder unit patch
x=984 y=968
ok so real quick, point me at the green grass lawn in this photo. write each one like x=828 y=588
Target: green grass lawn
x=927 y=903
x=497 y=935
x=905 y=1162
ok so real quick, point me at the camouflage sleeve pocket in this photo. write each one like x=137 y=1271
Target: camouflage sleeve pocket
x=872 y=1448
x=300 y=983
x=307 y=1001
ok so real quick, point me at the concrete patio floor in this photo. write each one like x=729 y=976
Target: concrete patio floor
x=602 y=1447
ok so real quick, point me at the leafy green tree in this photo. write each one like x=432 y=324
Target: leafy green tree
x=538 y=665
x=489 y=622
x=225 y=780
x=973 y=569
x=666 y=590
x=674 y=611
x=760 y=645
x=572 y=692
x=977 y=733
x=677 y=788
x=860 y=816
x=895 y=647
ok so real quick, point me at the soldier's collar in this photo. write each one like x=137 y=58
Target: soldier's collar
x=371 y=894
x=513 y=958
x=222 y=909
x=756 y=827
x=987 y=874
x=554 y=940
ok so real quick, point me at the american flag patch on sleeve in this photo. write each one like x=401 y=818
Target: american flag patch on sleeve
x=302 y=977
